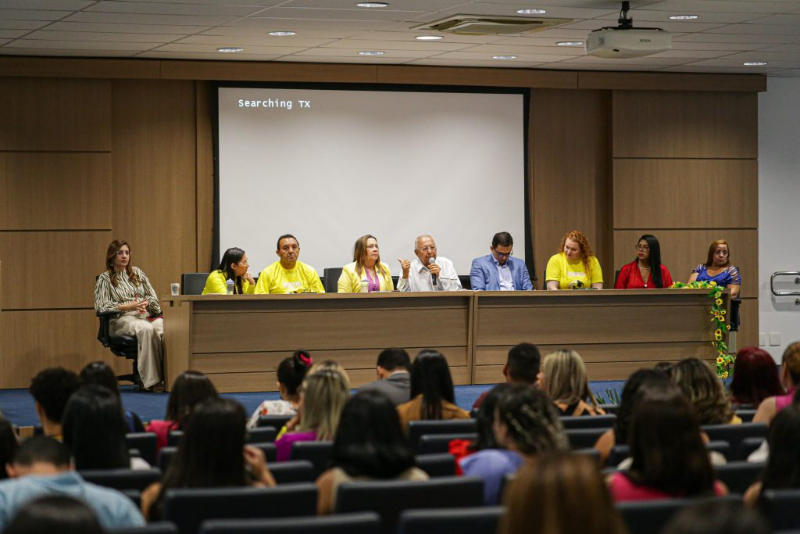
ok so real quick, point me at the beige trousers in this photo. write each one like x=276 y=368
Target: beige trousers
x=149 y=335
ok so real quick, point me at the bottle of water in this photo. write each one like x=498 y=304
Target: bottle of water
x=229 y=287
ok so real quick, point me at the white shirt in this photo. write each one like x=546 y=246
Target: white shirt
x=504 y=275
x=419 y=277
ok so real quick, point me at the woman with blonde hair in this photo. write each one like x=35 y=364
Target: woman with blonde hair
x=560 y=493
x=790 y=376
x=705 y=391
x=574 y=266
x=322 y=398
x=367 y=274
x=564 y=380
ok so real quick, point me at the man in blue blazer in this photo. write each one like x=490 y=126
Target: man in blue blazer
x=499 y=271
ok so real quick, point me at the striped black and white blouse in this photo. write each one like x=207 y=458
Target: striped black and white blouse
x=107 y=297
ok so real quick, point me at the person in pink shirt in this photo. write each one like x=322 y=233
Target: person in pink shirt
x=670 y=459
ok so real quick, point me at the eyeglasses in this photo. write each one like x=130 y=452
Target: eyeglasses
x=721 y=253
x=643 y=248
x=503 y=254
x=428 y=249
x=123 y=253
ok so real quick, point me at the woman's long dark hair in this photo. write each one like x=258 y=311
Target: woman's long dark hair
x=654 y=259
x=232 y=255
x=292 y=371
x=8 y=444
x=189 y=389
x=430 y=377
x=666 y=444
x=630 y=396
x=783 y=466
x=211 y=451
x=370 y=441
x=94 y=429
x=484 y=419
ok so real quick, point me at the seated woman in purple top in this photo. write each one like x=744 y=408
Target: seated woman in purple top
x=718 y=268
x=322 y=398
x=525 y=424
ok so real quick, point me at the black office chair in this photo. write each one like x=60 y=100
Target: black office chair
x=332 y=275
x=735 y=434
x=782 y=508
x=390 y=498
x=440 y=443
x=736 y=318
x=610 y=408
x=598 y=421
x=188 y=508
x=483 y=520
x=123 y=346
x=427 y=427
x=646 y=517
x=193 y=283
x=739 y=476
x=166 y=454
x=122 y=479
x=584 y=438
x=748 y=446
x=466 y=283
x=437 y=465
x=316 y=452
x=292 y=472
x=746 y=414
x=275 y=421
x=265 y=434
x=159 y=527
x=361 y=523
x=145 y=443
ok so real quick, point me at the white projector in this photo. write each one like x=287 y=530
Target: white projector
x=622 y=43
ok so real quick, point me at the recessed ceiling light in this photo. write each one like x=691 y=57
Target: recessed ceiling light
x=531 y=11
x=282 y=34
x=229 y=49
x=504 y=57
x=371 y=53
x=372 y=4
x=428 y=37
x=683 y=17
x=754 y=63
x=569 y=43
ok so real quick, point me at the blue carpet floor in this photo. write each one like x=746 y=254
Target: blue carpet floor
x=17 y=404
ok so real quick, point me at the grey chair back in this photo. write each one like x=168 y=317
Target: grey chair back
x=193 y=283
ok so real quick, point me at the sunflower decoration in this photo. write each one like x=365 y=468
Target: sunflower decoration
x=724 y=360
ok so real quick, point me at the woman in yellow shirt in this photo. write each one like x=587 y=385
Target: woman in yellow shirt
x=366 y=274
x=232 y=267
x=575 y=266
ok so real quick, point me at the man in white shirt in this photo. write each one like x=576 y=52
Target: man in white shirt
x=419 y=274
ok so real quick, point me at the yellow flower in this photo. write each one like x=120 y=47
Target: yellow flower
x=720 y=360
x=719 y=302
x=718 y=332
x=725 y=374
x=712 y=284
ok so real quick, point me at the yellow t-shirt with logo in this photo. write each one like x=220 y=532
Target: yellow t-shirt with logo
x=568 y=273
x=216 y=284
x=276 y=279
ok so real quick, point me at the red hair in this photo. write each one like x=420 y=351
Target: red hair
x=755 y=377
x=583 y=244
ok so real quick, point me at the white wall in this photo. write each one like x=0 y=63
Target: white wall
x=779 y=209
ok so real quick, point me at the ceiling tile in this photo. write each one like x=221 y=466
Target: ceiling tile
x=293 y=24
x=263 y=40
x=48 y=35
x=302 y=33
x=487 y=56
x=79 y=45
x=12 y=34
x=22 y=24
x=212 y=49
x=435 y=62
x=215 y=56
x=404 y=5
x=65 y=52
x=124 y=28
x=55 y=5
x=353 y=53
x=341 y=14
x=433 y=46
x=31 y=14
x=132 y=18
x=153 y=8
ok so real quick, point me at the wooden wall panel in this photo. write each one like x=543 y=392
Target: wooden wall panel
x=205 y=178
x=51 y=269
x=154 y=170
x=748 y=330
x=670 y=193
x=42 y=114
x=657 y=81
x=683 y=250
x=35 y=340
x=55 y=191
x=571 y=186
x=664 y=124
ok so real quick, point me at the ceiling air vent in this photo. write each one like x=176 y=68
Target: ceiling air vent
x=482 y=25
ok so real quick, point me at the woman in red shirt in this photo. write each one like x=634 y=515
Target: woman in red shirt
x=646 y=271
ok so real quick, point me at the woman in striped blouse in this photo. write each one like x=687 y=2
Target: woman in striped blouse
x=126 y=289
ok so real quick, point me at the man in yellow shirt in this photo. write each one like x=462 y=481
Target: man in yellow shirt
x=288 y=275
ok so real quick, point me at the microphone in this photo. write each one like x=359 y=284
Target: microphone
x=433 y=276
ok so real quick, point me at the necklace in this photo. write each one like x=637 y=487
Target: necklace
x=645 y=273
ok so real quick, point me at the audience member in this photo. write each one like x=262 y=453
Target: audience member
x=322 y=398
x=705 y=391
x=188 y=390
x=211 y=454
x=755 y=377
x=664 y=368
x=291 y=373
x=783 y=464
x=8 y=445
x=41 y=467
x=564 y=380
x=630 y=395
x=100 y=374
x=51 y=389
x=716 y=517
x=369 y=445
x=525 y=424
x=669 y=457
x=484 y=421
x=523 y=366
x=55 y=513
x=394 y=377
x=559 y=493
x=94 y=430
x=790 y=376
x=432 y=393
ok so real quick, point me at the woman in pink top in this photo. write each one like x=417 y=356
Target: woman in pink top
x=790 y=376
x=669 y=457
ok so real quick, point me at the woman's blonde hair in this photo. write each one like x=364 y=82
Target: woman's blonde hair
x=360 y=252
x=560 y=493
x=324 y=394
x=791 y=359
x=586 y=249
x=705 y=391
x=565 y=378
x=330 y=365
